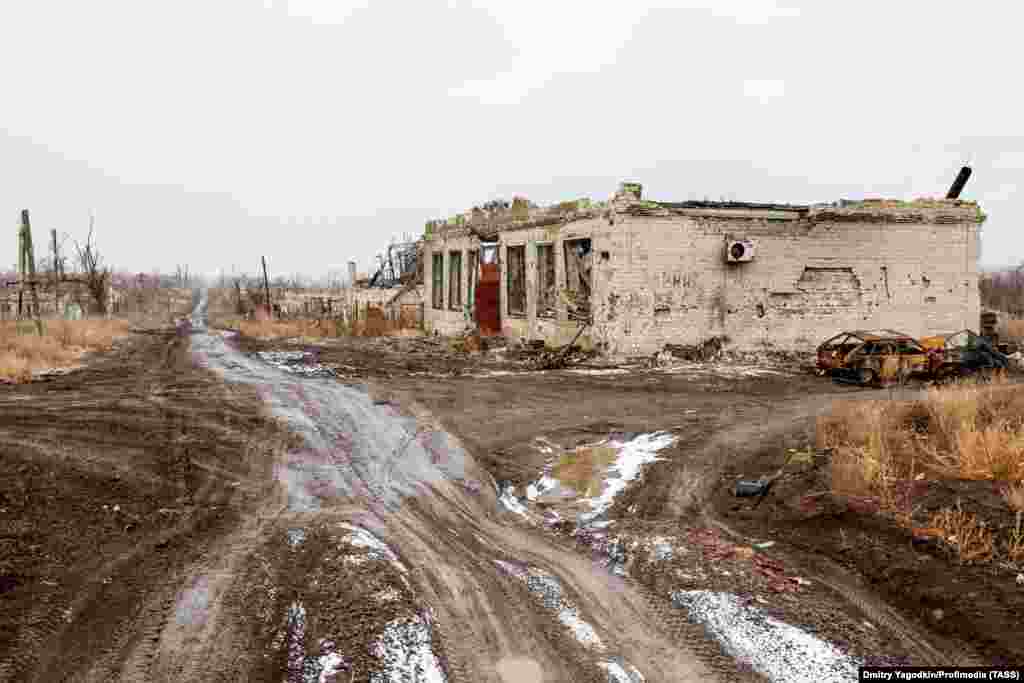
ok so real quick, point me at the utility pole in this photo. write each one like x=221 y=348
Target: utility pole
x=56 y=270
x=266 y=288
x=27 y=267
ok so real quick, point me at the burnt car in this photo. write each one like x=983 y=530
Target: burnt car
x=963 y=353
x=873 y=356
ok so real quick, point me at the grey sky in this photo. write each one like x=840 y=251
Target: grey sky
x=211 y=132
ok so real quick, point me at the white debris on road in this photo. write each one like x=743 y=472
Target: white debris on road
x=406 y=651
x=772 y=648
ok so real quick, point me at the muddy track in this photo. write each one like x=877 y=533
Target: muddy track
x=125 y=473
x=489 y=595
x=766 y=427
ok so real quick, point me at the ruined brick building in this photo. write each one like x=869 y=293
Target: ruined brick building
x=654 y=273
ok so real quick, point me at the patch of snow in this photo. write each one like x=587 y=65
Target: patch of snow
x=541 y=486
x=361 y=538
x=296 y=536
x=777 y=650
x=387 y=595
x=621 y=671
x=583 y=631
x=331 y=664
x=408 y=658
x=296 y=641
x=549 y=590
x=510 y=502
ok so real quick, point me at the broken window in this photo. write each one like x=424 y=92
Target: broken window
x=517 y=280
x=437 y=281
x=472 y=276
x=455 y=280
x=577 y=277
x=545 y=280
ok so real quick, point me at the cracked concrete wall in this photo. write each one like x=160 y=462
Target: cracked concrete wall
x=668 y=281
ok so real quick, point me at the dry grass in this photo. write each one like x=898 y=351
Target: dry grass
x=1014 y=495
x=966 y=534
x=313 y=329
x=965 y=431
x=22 y=351
x=1015 y=329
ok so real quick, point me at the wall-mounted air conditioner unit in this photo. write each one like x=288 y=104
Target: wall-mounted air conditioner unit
x=739 y=251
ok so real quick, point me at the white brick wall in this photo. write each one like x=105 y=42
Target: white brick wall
x=811 y=278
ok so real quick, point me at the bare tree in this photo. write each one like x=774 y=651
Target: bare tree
x=97 y=276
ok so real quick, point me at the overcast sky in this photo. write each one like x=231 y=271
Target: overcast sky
x=212 y=132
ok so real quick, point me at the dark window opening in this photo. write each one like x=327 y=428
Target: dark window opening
x=437 y=281
x=577 y=277
x=546 y=280
x=455 y=280
x=472 y=277
x=517 y=281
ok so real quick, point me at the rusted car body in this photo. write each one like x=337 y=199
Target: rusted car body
x=873 y=356
x=964 y=353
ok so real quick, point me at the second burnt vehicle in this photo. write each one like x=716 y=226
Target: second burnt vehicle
x=871 y=357
x=963 y=353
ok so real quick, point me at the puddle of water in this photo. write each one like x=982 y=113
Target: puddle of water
x=593 y=475
x=352 y=448
x=519 y=670
x=773 y=648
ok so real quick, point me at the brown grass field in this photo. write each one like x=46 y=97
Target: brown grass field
x=23 y=351
x=966 y=431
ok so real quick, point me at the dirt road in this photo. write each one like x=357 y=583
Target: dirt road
x=245 y=518
x=372 y=548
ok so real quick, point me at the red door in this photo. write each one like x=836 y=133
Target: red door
x=487 y=292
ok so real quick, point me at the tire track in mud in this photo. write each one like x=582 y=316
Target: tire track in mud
x=370 y=466
x=111 y=433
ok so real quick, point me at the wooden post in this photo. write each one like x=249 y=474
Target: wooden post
x=56 y=272
x=28 y=259
x=266 y=288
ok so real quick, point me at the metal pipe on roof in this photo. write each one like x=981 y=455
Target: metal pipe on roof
x=958 y=184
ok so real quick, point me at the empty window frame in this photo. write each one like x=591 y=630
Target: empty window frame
x=455 y=280
x=577 y=276
x=472 y=276
x=517 y=281
x=437 y=281
x=546 y=285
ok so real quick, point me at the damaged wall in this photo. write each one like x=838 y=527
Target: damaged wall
x=659 y=273
x=814 y=274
